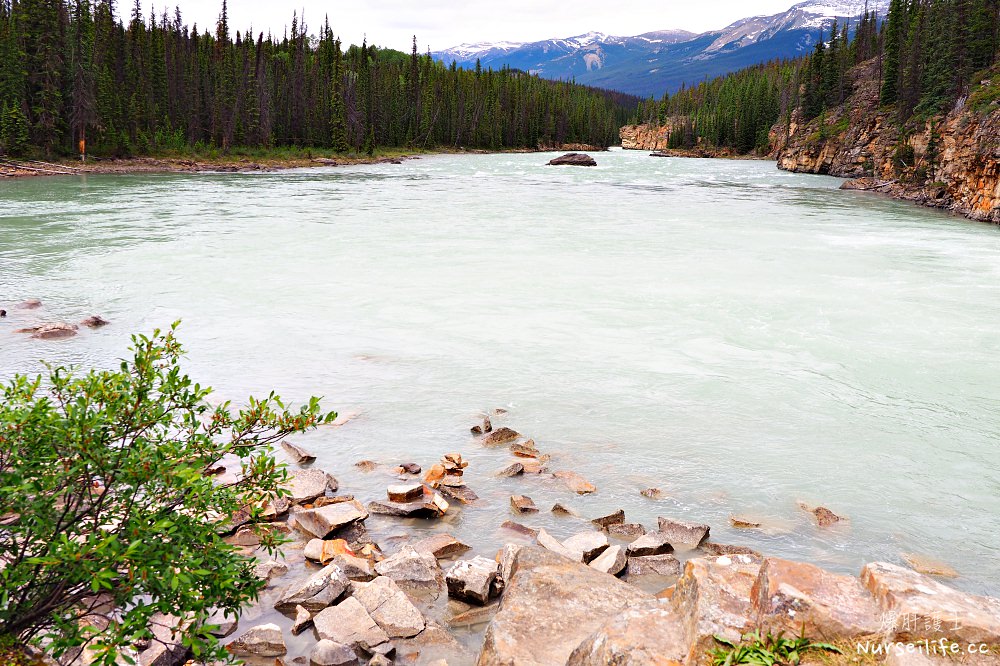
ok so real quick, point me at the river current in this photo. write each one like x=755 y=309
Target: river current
x=744 y=339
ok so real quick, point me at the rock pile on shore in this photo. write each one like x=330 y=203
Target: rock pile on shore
x=614 y=592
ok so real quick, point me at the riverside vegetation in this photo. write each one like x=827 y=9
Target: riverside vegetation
x=141 y=525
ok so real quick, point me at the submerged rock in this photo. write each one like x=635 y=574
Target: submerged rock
x=483 y=428
x=51 y=331
x=825 y=517
x=95 y=321
x=576 y=483
x=516 y=469
x=573 y=159
x=929 y=566
x=524 y=530
x=500 y=436
x=652 y=493
x=550 y=606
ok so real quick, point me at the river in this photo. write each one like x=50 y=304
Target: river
x=742 y=338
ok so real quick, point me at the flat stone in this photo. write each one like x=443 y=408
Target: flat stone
x=316 y=592
x=616 y=518
x=95 y=321
x=331 y=653
x=643 y=635
x=550 y=606
x=525 y=449
x=380 y=659
x=441 y=546
x=727 y=549
x=500 y=436
x=611 y=561
x=931 y=609
x=550 y=543
x=515 y=526
x=355 y=568
x=366 y=465
x=653 y=543
x=562 y=510
x=653 y=565
x=588 y=544
x=522 y=504
x=264 y=640
x=533 y=466
x=336 y=499
x=576 y=483
x=794 y=597
x=412 y=569
x=350 y=624
x=744 y=522
x=410 y=492
x=625 y=531
x=388 y=605
x=473 y=616
x=419 y=509
x=712 y=598
x=683 y=532
x=515 y=469
x=325 y=520
x=303 y=620
x=463 y=493
x=324 y=550
x=305 y=485
x=297 y=453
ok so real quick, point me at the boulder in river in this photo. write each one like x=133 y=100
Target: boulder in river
x=261 y=641
x=683 y=532
x=514 y=469
x=409 y=492
x=552 y=544
x=324 y=550
x=550 y=606
x=652 y=565
x=587 y=544
x=526 y=449
x=326 y=519
x=500 y=436
x=484 y=428
x=625 y=531
x=645 y=634
x=616 y=518
x=576 y=483
x=573 y=159
x=472 y=580
x=517 y=527
x=51 y=331
x=30 y=304
x=94 y=321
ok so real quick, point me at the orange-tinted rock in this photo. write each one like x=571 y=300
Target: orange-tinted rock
x=713 y=598
x=650 y=634
x=930 y=566
x=825 y=517
x=576 y=483
x=441 y=545
x=522 y=504
x=788 y=596
x=923 y=608
x=683 y=532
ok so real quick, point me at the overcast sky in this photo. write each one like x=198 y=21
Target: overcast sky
x=444 y=23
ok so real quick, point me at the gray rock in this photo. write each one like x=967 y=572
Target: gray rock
x=270 y=569
x=683 y=532
x=574 y=159
x=264 y=640
x=549 y=542
x=316 y=592
x=331 y=653
x=626 y=531
x=549 y=607
x=305 y=485
x=325 y=520
x=656 y=565
x=412 y=569
x=654 y=543
x=303 y=620
x=611 y=561
x=389 y=607
x=297 y=453
x=472 y=579
x=350 y=624
x=588 y=544
x=355 y=568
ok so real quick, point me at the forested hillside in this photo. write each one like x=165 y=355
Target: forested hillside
x=926 y=56
x=71 y=71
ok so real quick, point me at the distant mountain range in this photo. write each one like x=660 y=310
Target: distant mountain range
x=654 y=62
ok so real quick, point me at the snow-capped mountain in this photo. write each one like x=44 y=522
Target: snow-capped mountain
x=654 y=62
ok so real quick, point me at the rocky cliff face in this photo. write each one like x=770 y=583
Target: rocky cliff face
x=950 y=161
x=645 y=137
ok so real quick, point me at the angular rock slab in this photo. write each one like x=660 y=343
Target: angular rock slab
x=350 y=624
x=588 y=544
x=324 y=550
x=411 y=568
x=325 y=520
x=316 y=592
x=331 y=653
x=640 y=636
x=683 y=532
x=389 y=606
x=654 y=543
x=653 y=565
x=472 y=579
x=927 y=609
x=305 y=485
x=789 y=596
x=611 y=561
x=298 y=454
x=550 y=606
x=441 y=546
x=550 y=543
x=713 y=598
x=576 y=483
x=261 y=641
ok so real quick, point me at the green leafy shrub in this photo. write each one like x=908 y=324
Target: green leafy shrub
x=766 y=650
x=109 y=511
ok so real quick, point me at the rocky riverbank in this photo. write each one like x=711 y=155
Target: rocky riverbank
x=614 y=592
x=950 y=162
